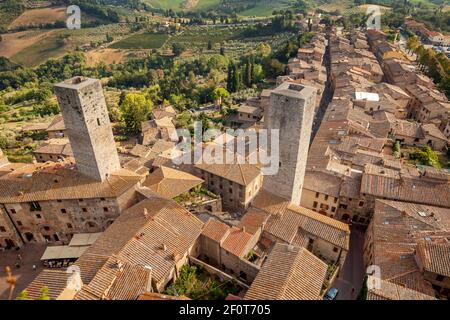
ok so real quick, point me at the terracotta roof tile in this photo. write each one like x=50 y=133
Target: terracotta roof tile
x=289 y=273
x=170 y=183
x=215 y=230
x=237 y=242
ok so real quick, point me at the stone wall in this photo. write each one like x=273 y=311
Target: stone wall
x=9 y=238
x=291 y=112
x=88 y=126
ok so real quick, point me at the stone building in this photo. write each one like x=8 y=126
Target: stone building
x=50 y=202
x=86 y=118
x=290 y=273
x=291 y=112
x=248 y=113
x=9 y=237
x=142 y=251
x=57 y=128
x=408 y=242
x=227 y=248
x=321 y=192
x=53 y=150
x=427 y=186
x=287 y=223
x=237 y=184
x=433 y=260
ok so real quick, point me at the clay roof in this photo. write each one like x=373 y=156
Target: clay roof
x=407 y=129
x=242 y=174
x=288 y=220
x=244 y=108
x=433 y=130
x=397 y=229
x=270 y=203
x=139 y=233
x=163 y=112
x=289 y=273
x=55 y=146
x=146 y=240
x=434 y=257
x=392 y=291
x=53 y=181
x=55 y=280
x=57 y=124
x=253 y=220
x=322 y=182
x=35 y=127
x=116 y=280
x=140 y=151
x=237 y=241
x=169 y=183
x=386 y=183
x=215 y=230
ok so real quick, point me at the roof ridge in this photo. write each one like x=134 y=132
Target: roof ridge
x=242 y=174
x=291 y=270
x=401 y=275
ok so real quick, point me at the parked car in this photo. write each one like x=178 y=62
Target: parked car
x=331 y=294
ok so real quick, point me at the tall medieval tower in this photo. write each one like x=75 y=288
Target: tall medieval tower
x=85 y=114
x=291 y=111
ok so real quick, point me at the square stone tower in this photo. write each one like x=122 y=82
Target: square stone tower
x=291 y=111
x=85 y=114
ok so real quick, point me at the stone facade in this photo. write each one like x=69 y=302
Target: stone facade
x=291 y=111
x=88 y=126
x=56 y=221
x=9 y=238
x=321 y=248
x=234 y=195
x=320 y=202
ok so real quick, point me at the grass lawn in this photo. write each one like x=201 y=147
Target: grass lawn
x=142 y=41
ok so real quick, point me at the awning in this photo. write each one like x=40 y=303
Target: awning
x=63 y=252
x=84 y=239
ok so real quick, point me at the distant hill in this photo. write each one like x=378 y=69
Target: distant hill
x=247 y=7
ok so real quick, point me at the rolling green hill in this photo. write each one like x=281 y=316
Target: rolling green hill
x=243 y=7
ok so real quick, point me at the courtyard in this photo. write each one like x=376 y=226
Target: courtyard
x=30 y=255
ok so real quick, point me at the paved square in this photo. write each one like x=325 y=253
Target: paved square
x=31 y=255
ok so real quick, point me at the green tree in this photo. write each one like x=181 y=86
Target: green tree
x=425 y=156
x=178 y=48
x=263 y=50
x=23 y=295
x=364 y=290
x=219 y=94
x=44 y=293
x=135 y=110
x=396 y=149
x=274 y=68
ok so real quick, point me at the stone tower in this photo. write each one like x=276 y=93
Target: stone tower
x=291 y=111
x=83 y=108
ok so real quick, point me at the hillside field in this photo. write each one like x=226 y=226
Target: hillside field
x=39 y=16
x=142 y=41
